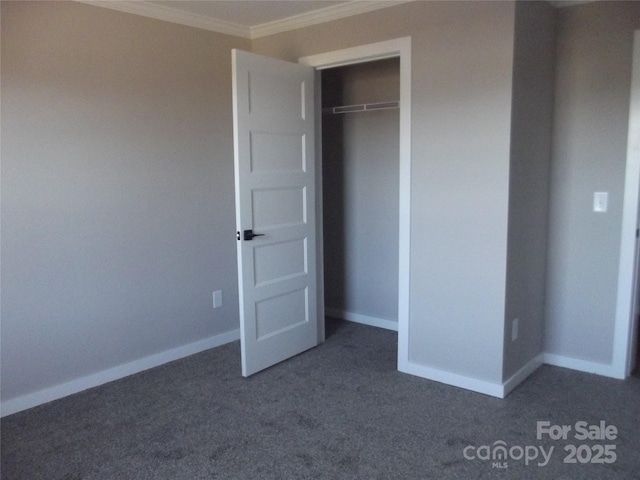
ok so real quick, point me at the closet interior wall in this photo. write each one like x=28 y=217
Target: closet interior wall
x=360 y=193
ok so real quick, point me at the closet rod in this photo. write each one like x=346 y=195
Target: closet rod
x=363 y=107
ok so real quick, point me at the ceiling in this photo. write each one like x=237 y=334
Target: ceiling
x=255 y=18
x=246 y=18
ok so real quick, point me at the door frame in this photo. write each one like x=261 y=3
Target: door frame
x=397 y=48
x=625 y=322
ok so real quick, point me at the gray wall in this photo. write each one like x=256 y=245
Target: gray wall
x=531 y=127
x=462 y=60
x=594 y=53
x=117 y=191
x=360 y=191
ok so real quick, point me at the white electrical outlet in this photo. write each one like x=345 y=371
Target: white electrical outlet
x=514 y=329
x=217 y=299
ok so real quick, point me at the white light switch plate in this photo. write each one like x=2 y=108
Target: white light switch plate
x=600 y=201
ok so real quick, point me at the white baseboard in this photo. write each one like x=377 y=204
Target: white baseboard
x=582 y=365
x=453 y=379
x=364 y=319
x=40 y=397
x=49 y=394
x=522 y=374
x=499 y=390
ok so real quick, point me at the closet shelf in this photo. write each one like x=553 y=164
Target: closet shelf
x=363 y=107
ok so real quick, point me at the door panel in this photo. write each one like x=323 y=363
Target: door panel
x=279 y=261
x=277 y=152
x=273 y=109
x=291 y=211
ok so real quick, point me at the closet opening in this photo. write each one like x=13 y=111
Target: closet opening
x=360 y=185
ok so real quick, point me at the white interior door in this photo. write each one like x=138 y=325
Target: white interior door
x=273 y=112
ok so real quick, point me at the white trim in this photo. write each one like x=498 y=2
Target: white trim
x=581 y=365
x=522 y=374
x=315 y=17
x=454 y=379
x=404 y=245
x=624 y=322
x=175 y=15
x=363 y=319
x=30 y=400
x=361 y=54
x=401 y=48
x=499 y=390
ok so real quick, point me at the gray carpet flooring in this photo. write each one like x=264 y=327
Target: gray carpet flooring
x=338 y=411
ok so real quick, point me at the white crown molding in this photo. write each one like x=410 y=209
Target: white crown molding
x=161 y=12
x=320 y=16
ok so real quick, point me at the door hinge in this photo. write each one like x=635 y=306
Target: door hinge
x=637 y=232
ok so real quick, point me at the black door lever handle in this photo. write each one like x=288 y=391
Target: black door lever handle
x=248 y=234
